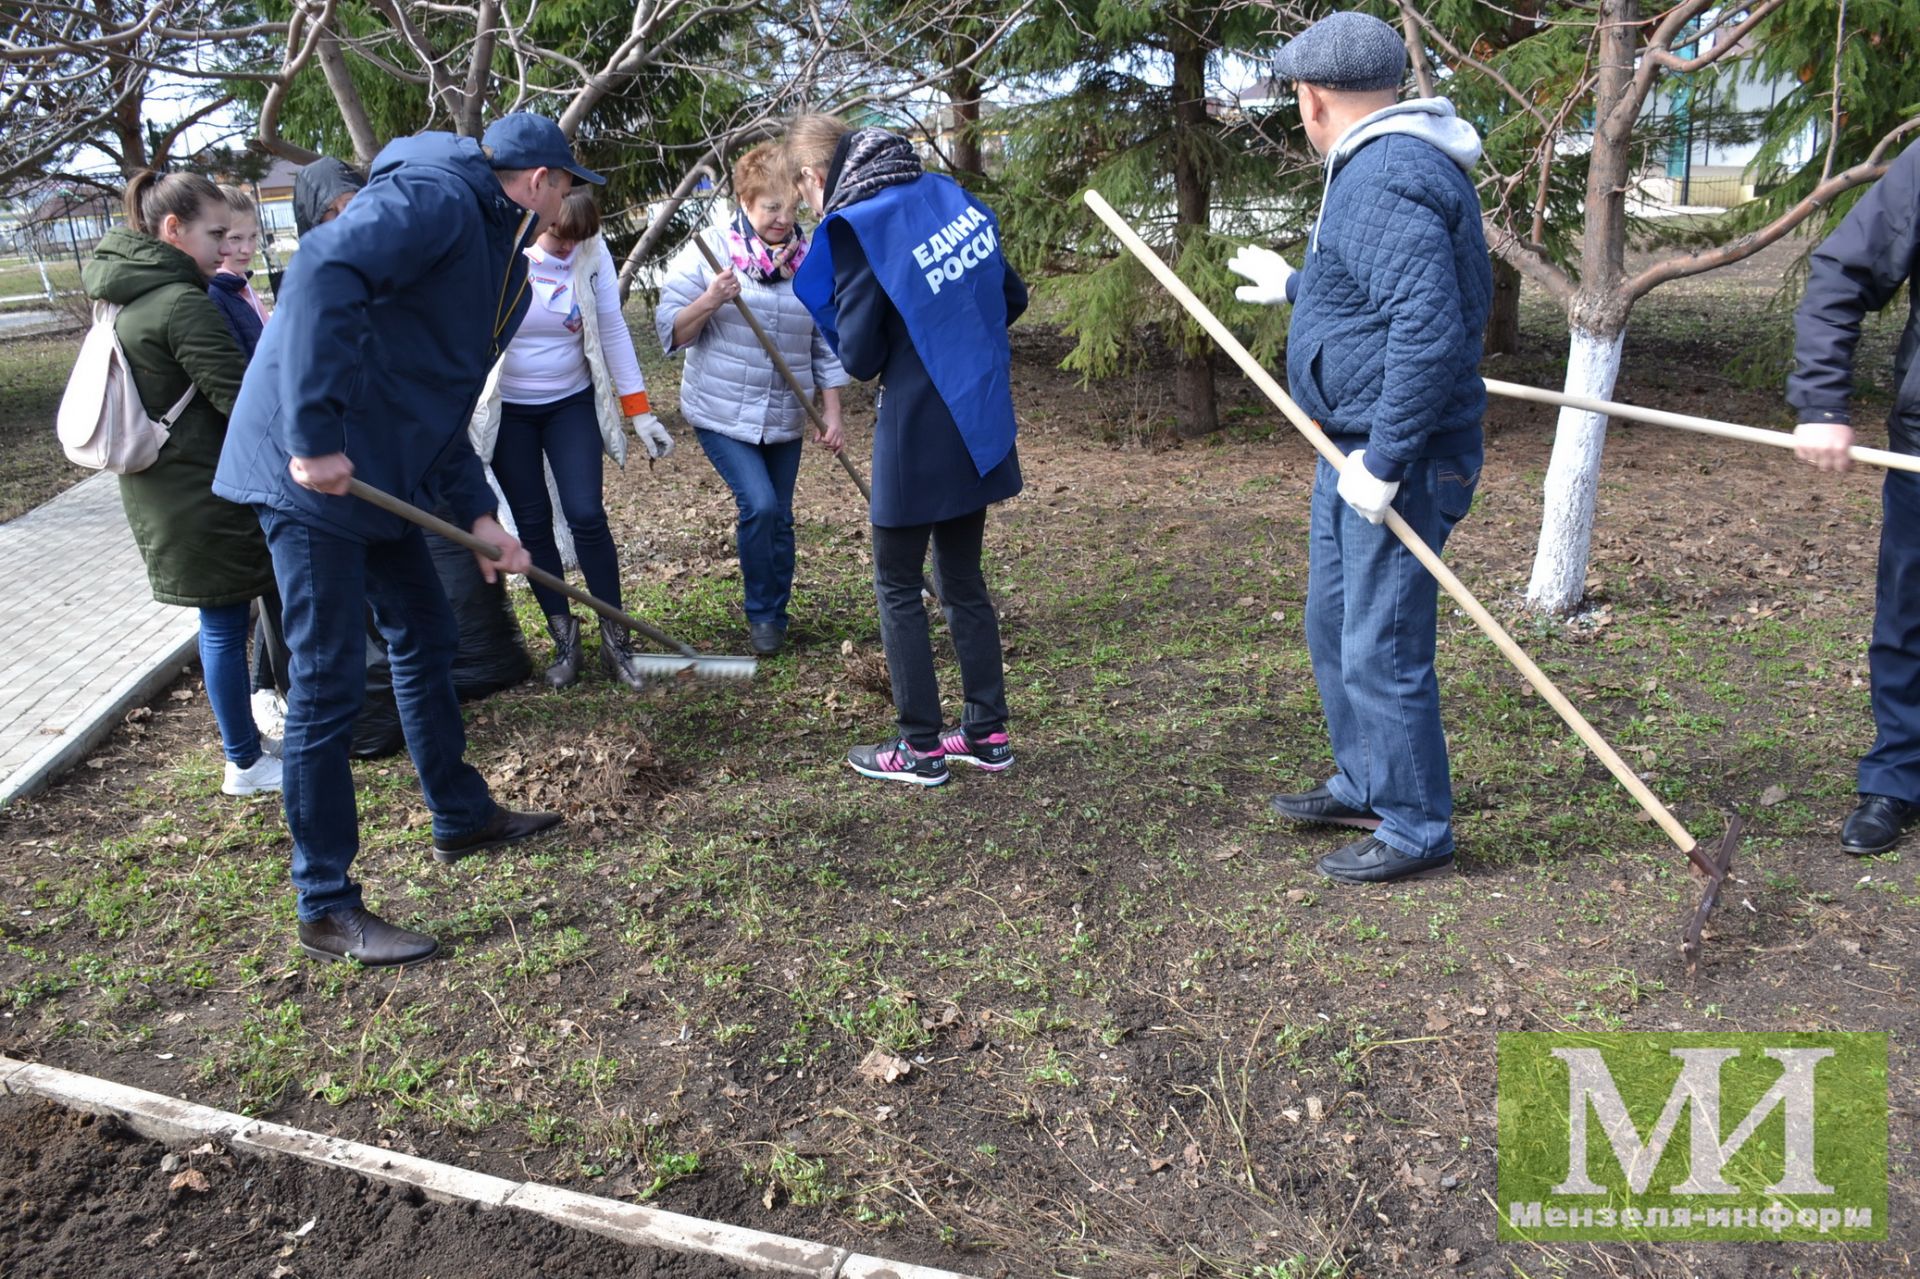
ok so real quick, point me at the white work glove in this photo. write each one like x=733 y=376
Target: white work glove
x=1824 y=444
x=653 y=436
x=1268 y=271
x=1369 y=497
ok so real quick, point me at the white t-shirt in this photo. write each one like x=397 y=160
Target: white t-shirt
x=547 y=359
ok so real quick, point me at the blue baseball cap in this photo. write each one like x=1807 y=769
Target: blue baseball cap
x=524 y=140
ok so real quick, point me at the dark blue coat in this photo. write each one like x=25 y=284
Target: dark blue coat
x=1391 y=306
x=1859 y=268
x=390 y=317
x=922 y=472
x=225 y=289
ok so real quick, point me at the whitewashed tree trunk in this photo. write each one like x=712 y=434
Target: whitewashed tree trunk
x=1573 y=476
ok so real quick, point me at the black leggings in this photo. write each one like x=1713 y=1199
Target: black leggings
x=899 y=555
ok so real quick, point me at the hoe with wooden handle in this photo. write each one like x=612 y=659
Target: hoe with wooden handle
x=1688 y=422
x=1713 y=865
x=684 y=660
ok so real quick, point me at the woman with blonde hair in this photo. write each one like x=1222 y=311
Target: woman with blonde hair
x=201 y=551
x=908 y=282
x=744 y=414
x=559 y=398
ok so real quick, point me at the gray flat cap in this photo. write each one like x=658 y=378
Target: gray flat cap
x=1345 y=51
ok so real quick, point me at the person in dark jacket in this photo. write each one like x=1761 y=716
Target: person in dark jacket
x=1383 y=351
x=906 y=280
x=321 y=192
x=392 y=314
x=1860 y=268
x=229 y=288
x=201 y=551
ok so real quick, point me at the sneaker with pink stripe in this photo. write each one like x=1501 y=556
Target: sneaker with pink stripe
x=898 y=761
x=992 y=752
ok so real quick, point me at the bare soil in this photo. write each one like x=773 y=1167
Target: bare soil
x=89 y=1199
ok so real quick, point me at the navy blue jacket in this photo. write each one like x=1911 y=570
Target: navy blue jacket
x=244 y=322
x=922 y=472
x=1391 y=305
x=1858 y=269
x=390 y=317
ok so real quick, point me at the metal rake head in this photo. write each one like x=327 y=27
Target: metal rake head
x=698 y=666
x=1715 y=867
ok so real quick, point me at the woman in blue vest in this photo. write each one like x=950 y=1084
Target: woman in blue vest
x=907 y=282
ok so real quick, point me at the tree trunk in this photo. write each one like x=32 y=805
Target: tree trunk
x=1573 y=476
x=967 y=163
x=353 y=110
x=1195 y=409
x=1503 y=321
x=1598 y=318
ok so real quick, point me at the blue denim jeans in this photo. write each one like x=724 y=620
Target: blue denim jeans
x=761 y=477
x=223 y=661
x=1372 y=613
x=1892 y=767
x=567 y=434
x=327 y=583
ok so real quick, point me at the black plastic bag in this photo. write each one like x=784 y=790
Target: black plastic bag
x=492 y=656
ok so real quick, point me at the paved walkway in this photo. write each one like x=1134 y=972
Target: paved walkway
x=81 y=638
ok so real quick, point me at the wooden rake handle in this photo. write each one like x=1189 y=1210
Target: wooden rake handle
x=780 y=363
x=454 y=533
x=1421 y=551
x=1688 y=422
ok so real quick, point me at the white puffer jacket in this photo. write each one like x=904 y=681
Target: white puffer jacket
x=729 y=386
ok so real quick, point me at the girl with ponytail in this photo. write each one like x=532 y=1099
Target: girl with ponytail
x=201 y=551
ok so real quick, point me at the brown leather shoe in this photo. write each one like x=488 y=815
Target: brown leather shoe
x=504 y=827
x=354 y=932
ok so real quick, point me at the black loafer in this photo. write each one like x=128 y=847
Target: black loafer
x=505 y=827
x=1368 y=861
x=354 y=932
x=766 y=638
x=1319 y=807
x=1877 y=824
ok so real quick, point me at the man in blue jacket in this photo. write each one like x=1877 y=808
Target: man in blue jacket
x=1384 y=352
x=391 y=315
x=1860 y=268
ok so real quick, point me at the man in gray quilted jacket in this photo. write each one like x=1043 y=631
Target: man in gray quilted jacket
x=1383 y=351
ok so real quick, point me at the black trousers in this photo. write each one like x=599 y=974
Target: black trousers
x=899 y=556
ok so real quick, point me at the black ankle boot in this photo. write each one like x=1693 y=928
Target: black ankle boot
x=617 y=656
x=565 y=629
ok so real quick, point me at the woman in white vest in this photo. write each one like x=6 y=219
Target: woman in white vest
x=559 y=397
x=744 y=413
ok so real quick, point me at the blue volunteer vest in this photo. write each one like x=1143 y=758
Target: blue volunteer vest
x=936 y=251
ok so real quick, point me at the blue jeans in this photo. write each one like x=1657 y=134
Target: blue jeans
x=223 y=661
x=762 y=478
x=1372 y=613
x=1892 y=767
x=326 y=583
x=567 y=433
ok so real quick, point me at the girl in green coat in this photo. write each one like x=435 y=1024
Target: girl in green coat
x=201 y=551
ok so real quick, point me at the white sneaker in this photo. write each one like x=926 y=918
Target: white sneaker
x=270 y=713
x=261 y=775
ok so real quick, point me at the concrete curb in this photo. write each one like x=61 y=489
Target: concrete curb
x=176 y=1122
x=70 y=748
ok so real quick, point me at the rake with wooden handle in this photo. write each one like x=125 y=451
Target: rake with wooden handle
x=684 y=660
x=1688 y=422
x=1714 y=865
x=780 y=363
